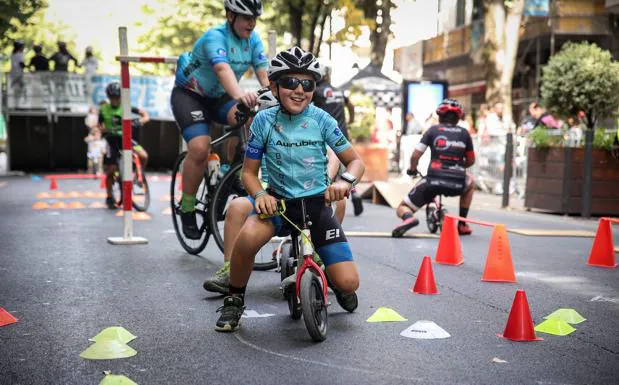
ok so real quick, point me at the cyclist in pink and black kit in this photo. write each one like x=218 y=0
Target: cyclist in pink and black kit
x=451 y=154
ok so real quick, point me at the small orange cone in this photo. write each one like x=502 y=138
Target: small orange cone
x=602 y=251
x=425 y=283
x=40 y=206
x=499 y=265
x=53 y=185
x=6 y=318
x=103 y=181
x=519 y=324
x=449 y=251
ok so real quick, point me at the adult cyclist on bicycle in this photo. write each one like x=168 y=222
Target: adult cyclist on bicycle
x=207 y=89
x=451 y=154
x=110 y=123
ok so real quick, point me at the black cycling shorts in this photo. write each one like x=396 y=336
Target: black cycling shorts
x=326 y=233
x=427 y=189
x=114 y=147
x=193 y=113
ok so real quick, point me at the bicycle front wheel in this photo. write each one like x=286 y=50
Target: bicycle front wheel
x=313 y=306
x=192 y=246
x=140 y=197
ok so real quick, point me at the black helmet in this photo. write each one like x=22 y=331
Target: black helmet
x=113 y=90
x=18 y=44
x=37 y=48
x=294 y=60
x=244 y=7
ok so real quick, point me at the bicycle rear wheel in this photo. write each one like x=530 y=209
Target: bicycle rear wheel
x=229 y=188
x=192 y=246
x=313 y=306
x=140 y=197
x=117 y=189
x=432 y=218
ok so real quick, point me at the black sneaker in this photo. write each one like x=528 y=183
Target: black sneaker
x=110 y=203
x=403 y=227
x=190 y=226
x=348 y=302
x=231 y=313
x=357 y=204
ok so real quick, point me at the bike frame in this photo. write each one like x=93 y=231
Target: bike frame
x=307 y=251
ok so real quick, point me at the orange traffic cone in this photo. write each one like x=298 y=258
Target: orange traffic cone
x=6 y=318
x=602 y=252
x=449 y=251
x=53 y=185
x=499 y=265
x=519 y=324
x=425 y=279
x=103 y=181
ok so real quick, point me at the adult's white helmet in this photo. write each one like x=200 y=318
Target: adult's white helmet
x=244 y=7
x=326 y=68
x=266 y=99
x=294 y=60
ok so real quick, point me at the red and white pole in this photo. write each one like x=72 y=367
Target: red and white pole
x=127 y=171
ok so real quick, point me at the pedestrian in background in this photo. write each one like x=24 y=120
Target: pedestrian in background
x=62 y=58
x=17 y=64
x=38 y=62
x=90 y=63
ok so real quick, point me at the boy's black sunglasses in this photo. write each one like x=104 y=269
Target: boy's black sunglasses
x=291 y=83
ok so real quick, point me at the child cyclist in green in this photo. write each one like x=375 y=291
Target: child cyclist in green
x=292 y=138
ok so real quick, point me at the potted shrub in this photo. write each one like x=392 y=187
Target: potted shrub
x=582 y=78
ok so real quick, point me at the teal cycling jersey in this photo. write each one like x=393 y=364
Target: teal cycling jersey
x=294 y=149
x=194 y=70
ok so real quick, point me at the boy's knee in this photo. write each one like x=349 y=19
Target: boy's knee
x=347 y=283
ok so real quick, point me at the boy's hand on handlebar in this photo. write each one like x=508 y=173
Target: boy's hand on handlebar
x=266 y=204
x=412 y=172
x=337 y=191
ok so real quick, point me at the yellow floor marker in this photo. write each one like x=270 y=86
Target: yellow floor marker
x=58 y=205
x=88 y=194
x=165 y=198
x=100 y=195
x=97 y=205
x=555 y=327
x=136 y=216
x=74 y=194
x=115 y=379
x=43 y=195
x=385 y=314
x=40 y=206
x=117 y=333
x=77 y=205
x=570 y=316
x=167 y=211
x=108 y=350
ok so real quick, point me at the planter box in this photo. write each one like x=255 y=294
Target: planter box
x=555 y=181
x=376 y=159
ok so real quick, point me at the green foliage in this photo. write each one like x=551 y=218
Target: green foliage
x=39 y=31
x=541 y=138
x=365 y=117
x=604 y=138
x=582 y=77
x=16 y=14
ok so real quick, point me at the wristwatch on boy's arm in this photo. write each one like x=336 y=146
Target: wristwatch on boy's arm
x=350 y=178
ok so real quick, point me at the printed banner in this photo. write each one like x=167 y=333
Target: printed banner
x=536 y=8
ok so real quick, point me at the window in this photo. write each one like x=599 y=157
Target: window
x=460 y=12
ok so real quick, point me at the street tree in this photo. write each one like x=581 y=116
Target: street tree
x=502 y=19
x=15 y=15
x=582 y=77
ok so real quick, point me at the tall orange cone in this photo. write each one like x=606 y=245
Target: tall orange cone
x=53 y=185
x=499 y=265
x=602 y=252
x=519 y=324
x=103 y=181
x=449 y=251
x=425 y=279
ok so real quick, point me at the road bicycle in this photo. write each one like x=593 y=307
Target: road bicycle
x=140 y=194
x=298 y=256
x=435 y=211
x=215 y=192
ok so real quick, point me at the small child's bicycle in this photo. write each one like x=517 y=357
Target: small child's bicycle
x=435 y=212
x=310 y=296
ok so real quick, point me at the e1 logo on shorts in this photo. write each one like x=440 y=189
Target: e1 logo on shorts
x=332 y=234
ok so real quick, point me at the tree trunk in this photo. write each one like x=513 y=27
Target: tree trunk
x=325 y=14
x=380 y=35
x=295 y=14
x=512 y=38
x=316 y=13
x=494 y=48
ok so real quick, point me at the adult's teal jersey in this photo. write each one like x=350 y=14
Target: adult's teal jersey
x=294 y=149
x=194 y=70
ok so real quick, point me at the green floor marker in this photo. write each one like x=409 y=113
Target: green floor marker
x=114 y=379
x=570 y=316
x=384 y=314
x=555 y=327
x=117 y=333
x=108 y=350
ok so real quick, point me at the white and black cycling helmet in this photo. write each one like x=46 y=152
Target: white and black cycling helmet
x=244 y=7
x=294 y=60
x=113 y=90
x=266 y=99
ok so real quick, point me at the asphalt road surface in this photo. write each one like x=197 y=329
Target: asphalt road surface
x=65 y=283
